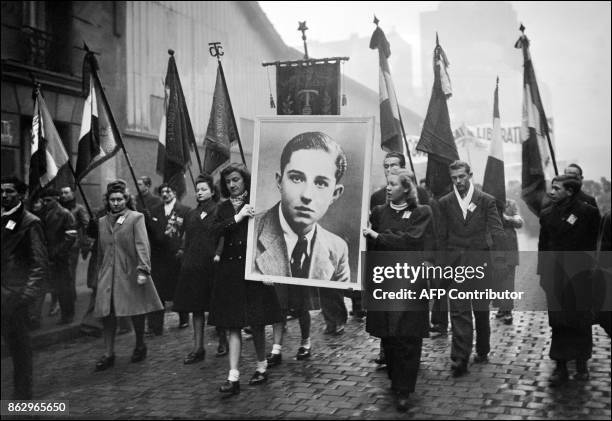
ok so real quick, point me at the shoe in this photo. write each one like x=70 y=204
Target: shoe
x=105 y=362
x=339 y=331
x=274 y=360
x=329 y=330
x=183 y=325
x=139 y=354
x=559 y=375
x=54 y=310
x=221 y=349
x=302 y=354
x=438 y=329
x=258 y=378
x=508 y=319
x=194 y=357
x=230 y=388
x=582 y=371
x=402 y=404
x=382 y=359
x=479 y=359
x=500 y=314
x=459 y=369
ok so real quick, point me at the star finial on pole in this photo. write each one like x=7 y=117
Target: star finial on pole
x=303 y=28
x=376 y=20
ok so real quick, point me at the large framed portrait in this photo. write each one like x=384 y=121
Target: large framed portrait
x=310 y=190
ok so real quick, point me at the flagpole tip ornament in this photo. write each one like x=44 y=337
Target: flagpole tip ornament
x=437 y=39
x=376 y=20
x=522 y=28
x=171 y=52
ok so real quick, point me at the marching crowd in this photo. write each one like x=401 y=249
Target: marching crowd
x=147 y=251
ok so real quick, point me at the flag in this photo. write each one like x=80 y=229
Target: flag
x=390 y=129
x=221 y=131
x=48 y=154
x=98 y=140
x=175 y=134
x=536 y=158
x=437 y=137
x=494 y=178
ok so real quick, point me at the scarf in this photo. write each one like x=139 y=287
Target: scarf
x=398 y=208
x=238 y=201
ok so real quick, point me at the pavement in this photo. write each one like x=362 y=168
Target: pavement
x=339 y=382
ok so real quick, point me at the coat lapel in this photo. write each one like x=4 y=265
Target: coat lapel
x=476 y=198
x=273 y=259
x=320 y=263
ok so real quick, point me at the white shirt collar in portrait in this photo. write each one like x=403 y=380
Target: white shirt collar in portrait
x=291 y=237
x=168 y=207
x=464 y=203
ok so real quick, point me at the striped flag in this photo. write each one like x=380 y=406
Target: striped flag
x=437 y=138
x=48 y=154
x=221 y=131
x=537 y=159
x=98 y=141
x=494 y=178
x=390 y=129
x=175 y=134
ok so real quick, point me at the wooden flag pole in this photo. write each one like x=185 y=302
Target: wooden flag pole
x=97 y=80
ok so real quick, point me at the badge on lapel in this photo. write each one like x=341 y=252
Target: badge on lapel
x=472 y=207
x=121 y=220
x=10 y=225
x=572 y=219
x=203 y=215
x=406 y=214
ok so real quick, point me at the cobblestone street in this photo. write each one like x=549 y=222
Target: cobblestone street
x=339 y=381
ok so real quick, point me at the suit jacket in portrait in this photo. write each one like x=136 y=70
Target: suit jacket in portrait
x=329 y=260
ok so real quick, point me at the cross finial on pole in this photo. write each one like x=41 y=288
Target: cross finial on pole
x=303 y=28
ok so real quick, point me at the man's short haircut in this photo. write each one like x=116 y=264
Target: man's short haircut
x=569 y=182
x=67 y=186
x=240 y=169
x=168 y=186
x=146 y=180
x=50 y=192
x=315 y=141
x=400 y=156
x=20 y=186
x=210 y=181
x=577 y=167
x=458 y=164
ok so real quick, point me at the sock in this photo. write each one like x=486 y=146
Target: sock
x=306 y=343
x=262 y=366
x=233 y=376
x=276 y=349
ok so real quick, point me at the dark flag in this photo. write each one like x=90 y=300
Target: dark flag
x=494 y=177
x=176 y=133
x=437 y=137
x=98 y=140
x=390 y=129
x=221 y=131
x=48 y=154
x=537 y=157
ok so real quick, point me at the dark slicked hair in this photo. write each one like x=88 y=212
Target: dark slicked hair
x=167 y=186
x=20 y=186
x=569 y=182
x=458 y=164
x=315 y=141
x=240 y=169
x=146 y=180
x=578 y=167
x=48 y=192
x=208 y=179
x=400 y=156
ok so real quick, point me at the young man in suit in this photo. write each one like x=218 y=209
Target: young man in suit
x=469 y=221
x=289 y=240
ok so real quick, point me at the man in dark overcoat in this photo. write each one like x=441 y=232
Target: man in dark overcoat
x=469 y=222
x=24 y=268
x=568 y=230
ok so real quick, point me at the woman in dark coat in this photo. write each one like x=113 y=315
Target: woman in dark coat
x=401 y=225
x=197 y=252
x=568 y=229
x=236 y=302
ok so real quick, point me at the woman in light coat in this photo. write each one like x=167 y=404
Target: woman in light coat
x=124 y=287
